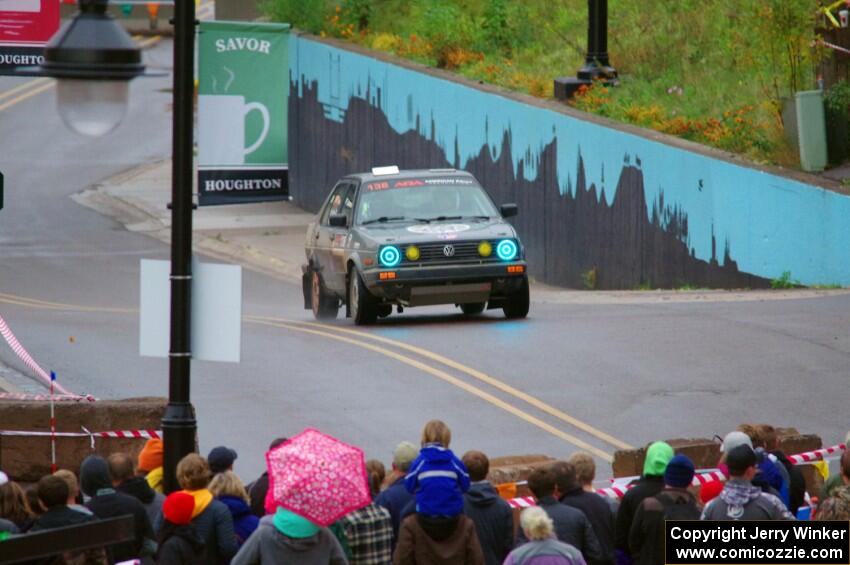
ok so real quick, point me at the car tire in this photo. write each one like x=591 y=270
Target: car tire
x=325 y=306
x=361 y=304
x=517 y=304
x=473 y=308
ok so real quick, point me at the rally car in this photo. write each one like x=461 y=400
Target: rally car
x=412 y=238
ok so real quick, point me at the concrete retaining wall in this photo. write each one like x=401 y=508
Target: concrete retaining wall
x=27 y=459
x=632 y=206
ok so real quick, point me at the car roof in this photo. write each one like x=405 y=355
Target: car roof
x=412 y=174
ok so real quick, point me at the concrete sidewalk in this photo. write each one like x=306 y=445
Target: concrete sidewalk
x=267 y=236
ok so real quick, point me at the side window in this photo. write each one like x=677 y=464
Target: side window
x=335 y=203
x=348 y=203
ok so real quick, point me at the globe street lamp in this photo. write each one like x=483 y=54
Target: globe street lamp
x=93 y=59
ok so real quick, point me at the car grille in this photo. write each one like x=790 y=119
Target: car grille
x=464 y=252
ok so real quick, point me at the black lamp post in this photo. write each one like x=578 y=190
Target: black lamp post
x=596 y=64
x=179 y=425
x=94 y=58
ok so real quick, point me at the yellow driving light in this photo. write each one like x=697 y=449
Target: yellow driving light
x=412 y=253
x=485 y=249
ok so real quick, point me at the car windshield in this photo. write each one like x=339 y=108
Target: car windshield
x=422 y=201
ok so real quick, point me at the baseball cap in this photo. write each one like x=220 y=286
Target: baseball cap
x=740 y=458
x=733 y=440
x=221 y=459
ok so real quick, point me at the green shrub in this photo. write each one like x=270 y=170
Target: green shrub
x=309 y=15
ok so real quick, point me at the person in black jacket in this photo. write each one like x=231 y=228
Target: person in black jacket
x=125 y=479
x=571 y=525
x=674 y=502
x=597 y=510
x=658 y=454
x=106 y=502
x=258 y=489
x=492 y=516
x=179 y=542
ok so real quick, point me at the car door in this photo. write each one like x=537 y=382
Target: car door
x=340 y=239
x=323 y=236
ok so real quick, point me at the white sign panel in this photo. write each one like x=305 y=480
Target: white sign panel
x=216 y=311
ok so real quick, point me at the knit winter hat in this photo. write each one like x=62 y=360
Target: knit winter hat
x=710 y=490
x=151 y=456
x=679 y=472
x=4 y=478
x=178 y=507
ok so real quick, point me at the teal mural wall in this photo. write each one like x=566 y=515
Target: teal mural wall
x=591 y=197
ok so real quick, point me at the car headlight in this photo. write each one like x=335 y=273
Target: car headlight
x=389 y=256
x=412 y=253
x=506 y=250
x=485 y=249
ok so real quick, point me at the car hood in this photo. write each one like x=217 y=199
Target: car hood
x=448 y=231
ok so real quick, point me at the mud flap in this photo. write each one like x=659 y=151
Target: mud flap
x=306 y=287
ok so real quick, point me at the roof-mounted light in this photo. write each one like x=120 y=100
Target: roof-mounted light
x=379 y=171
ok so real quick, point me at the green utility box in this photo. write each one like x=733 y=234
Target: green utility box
x=810 y=126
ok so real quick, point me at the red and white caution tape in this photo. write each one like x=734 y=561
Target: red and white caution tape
x=816 y=455
x=833 y=46
x=126 y=434
x=44 y=397
x=522 y=502
x=27 y=359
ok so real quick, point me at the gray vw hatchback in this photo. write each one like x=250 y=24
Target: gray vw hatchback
x=412 y=238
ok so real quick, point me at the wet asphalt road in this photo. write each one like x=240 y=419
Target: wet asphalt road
x=628 y=373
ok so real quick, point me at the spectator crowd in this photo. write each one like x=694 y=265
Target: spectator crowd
x=431 y=507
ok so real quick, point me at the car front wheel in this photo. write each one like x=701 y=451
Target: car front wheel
x=516 y=305
x=324 y=306
x=361 y=304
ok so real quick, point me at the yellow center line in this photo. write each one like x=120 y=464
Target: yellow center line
x=46 y=305
x=29 y=84
x=483 y=377
x=495 y=401
x=298 y=326
x=150 y=41
x=26 y=95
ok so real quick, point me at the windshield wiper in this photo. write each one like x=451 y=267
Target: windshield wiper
x=444 y=218
x=383 y=219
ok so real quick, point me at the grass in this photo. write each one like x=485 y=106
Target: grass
x=784 y=281
x=713 y=72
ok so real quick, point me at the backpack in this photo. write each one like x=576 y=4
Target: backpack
x=678 y=508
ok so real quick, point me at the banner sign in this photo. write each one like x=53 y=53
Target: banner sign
x=25 y=28
x=243 y=92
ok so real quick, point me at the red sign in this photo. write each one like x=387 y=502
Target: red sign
x=28 y=22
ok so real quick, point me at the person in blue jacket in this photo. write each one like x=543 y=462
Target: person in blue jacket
x=228 y=488
x=437 y=478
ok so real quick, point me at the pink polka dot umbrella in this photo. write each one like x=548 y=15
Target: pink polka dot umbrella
x=318 y=477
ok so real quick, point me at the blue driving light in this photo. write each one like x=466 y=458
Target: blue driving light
x=389 y=256
x=506 y=250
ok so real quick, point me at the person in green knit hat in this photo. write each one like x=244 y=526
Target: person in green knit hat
x=286 y=537
x=651 y=482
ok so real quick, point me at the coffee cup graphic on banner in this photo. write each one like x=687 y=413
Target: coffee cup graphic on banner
x=221 y=125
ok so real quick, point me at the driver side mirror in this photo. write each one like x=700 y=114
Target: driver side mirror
x=509 y=210
x=338 y=220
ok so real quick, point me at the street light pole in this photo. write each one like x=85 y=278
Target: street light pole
x=596 y=64
x=179 y=426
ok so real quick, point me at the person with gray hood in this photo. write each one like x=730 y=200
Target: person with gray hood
x=492 y=516
x=740 y=499
x=286 y=537
x=106 y=502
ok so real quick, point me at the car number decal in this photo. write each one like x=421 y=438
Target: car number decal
x=438 y=229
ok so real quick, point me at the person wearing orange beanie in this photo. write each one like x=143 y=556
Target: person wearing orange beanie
x=150 y=463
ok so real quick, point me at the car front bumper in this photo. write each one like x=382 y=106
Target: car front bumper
x=446 y=284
